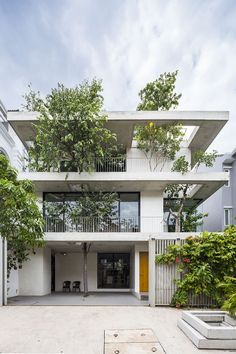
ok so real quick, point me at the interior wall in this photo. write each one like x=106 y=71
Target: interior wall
x=35 y=275
x=70 y=267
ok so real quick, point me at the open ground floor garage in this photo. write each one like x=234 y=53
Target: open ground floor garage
x=117 y=274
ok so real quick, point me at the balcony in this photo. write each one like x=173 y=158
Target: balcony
x=88 y=224
x=124 y=164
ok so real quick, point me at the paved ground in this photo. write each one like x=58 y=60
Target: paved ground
x=80 y=329
x=112 y=299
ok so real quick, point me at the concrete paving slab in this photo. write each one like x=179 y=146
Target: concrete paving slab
x=133 y=348
x=80 y=329
x=130 y=336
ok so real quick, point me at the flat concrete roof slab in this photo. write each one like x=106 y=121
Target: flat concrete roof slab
x=209 y=124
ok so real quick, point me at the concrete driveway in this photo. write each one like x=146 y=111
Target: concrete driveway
x=80 y=329
x=65 y=299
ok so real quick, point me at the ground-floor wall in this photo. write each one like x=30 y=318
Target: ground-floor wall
x=35 y=275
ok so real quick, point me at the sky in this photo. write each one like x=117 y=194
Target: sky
x=126 y=43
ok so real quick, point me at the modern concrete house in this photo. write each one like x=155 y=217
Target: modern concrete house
x=221 y=206
x=119 y=259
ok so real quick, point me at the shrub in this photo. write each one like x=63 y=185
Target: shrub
x=203 y=263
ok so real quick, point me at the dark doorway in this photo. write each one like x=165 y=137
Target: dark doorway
x=113 y=270
x=53 y=272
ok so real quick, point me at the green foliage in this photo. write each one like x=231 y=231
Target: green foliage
x=180 y=165
x=191 y=219
x=229 y=287
x=204 y=158
x=203 y=263
x=159 y=143
x=21 y=222
x=180 y=192
x=71 y=128
x=159 y=94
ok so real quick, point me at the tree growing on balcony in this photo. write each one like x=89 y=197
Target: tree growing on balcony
x=21 y=222
x=179 y=193
x=161 y=144
x=93 y=211
x=70 y=132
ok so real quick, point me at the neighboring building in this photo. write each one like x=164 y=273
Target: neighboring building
x=221 y=206
x=118 y=259
x=14 y=150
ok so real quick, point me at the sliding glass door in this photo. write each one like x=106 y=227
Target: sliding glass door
x=113 y=270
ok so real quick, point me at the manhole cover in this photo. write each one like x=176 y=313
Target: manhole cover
x=131 y=341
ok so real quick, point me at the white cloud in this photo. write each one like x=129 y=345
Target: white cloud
x=128 y=43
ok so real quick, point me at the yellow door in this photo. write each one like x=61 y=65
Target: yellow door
x=143 y=271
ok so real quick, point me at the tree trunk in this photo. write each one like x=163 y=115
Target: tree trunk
x=85 y=272
x=177 y=224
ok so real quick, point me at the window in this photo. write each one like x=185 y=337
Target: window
x=227 y=184
x=124 y=218
x=227 y=216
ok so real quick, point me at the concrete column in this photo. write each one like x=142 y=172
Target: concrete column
x=3 y=271
x=152 y=275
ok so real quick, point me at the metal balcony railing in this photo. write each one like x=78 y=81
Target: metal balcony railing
x=88 y=224
x=113 y=224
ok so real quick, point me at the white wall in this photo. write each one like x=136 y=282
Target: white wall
x=13 y=283
x=151 y=211
x=70 y=267
x=35 y=275
x=47 y=270
x=138 y=162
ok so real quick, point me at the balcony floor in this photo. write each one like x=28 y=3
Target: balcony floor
x=77 y=299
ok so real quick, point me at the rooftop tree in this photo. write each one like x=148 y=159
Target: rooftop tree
x=160 y=95
x=70 y=132
x=21 y=222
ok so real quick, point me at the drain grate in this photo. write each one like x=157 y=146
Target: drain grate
x=131 y=341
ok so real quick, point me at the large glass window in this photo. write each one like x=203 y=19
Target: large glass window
x=124 y=216
x=113 y=270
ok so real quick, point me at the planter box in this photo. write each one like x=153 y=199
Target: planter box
x=209 y=329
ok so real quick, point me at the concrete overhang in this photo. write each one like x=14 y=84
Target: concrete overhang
x=205 y=183
x=207 y=124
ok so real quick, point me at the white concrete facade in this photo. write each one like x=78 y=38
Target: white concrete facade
x=35 y=277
